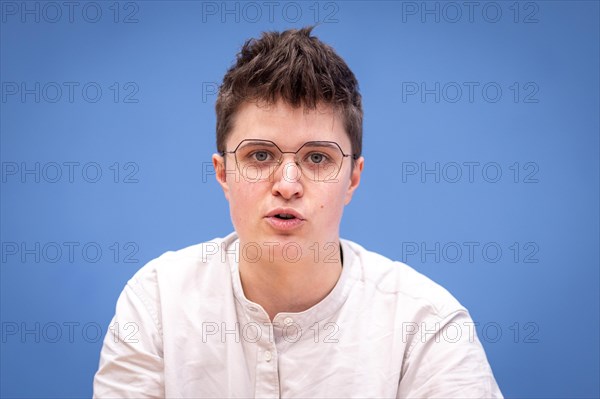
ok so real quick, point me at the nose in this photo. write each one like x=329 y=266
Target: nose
x=287 y=180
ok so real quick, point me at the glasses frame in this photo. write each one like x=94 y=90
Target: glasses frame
x=279 y=162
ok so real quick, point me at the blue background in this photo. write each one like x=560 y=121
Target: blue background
x=541 y=294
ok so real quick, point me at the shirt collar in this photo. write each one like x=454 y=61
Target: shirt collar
x=320 y=311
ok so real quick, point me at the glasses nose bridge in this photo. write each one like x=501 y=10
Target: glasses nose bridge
x=295 y=161
x=294 y=154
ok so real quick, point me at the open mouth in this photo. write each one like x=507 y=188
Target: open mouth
x=285 y=220
x=285 y=216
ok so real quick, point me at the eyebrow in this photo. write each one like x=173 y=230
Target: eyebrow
x=261 y=142
x=320 y=144
x=269 y=143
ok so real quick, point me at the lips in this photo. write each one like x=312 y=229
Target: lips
x=285 y=214
x=284 y=219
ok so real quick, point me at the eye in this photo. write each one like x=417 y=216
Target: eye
x=260 y=156
x=316 y=157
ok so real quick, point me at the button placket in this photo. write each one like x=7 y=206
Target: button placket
x=267 y=368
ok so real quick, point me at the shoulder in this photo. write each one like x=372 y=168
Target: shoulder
x=387 y=277
x=185 y=268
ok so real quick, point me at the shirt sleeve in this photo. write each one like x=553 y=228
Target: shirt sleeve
x=447 y=360
x=131 y=360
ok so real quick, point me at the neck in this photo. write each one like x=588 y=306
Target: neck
x=282 y=286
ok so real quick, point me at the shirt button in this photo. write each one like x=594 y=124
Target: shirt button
x=252 y=309
x=288 y=320
x=268 y=356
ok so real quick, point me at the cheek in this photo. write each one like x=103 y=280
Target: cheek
x=331 y=208
x=242 y=202
x=239 y=196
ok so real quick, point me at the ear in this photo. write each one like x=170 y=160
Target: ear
x=354 y=179
x=220 y=174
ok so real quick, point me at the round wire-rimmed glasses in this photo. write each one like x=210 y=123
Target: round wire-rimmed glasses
x=319 y=161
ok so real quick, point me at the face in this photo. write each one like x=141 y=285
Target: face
x=317 y=206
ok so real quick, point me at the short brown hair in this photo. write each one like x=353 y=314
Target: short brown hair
x=297 y=68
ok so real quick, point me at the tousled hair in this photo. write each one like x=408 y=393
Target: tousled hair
x=297 y=68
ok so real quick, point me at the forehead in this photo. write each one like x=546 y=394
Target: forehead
x=287 y=126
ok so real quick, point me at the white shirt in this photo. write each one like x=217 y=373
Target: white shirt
x=184 y=328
